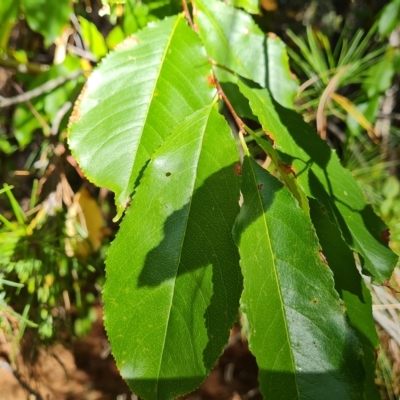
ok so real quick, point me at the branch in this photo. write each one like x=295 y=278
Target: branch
x=46 y=87
x=238 y=121
x=187 y=13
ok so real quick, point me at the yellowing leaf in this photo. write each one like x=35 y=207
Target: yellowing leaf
x=84 y=220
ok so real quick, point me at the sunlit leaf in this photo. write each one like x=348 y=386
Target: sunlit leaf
x=173 y=276
x=233 y=40
x=251 y=6
x=133 y=101
x=321 y=176
x=93 y=38
x=298 y=332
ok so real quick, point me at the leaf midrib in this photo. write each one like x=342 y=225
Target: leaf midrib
x=162 y=63
x=277 y=279
x=357 y=246
x=180 y=253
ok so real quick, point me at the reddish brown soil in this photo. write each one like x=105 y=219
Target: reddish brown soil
x=87 y=371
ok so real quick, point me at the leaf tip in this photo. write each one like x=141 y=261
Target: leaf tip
x=121 y=207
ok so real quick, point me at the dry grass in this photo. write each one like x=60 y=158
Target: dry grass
x=386 y=311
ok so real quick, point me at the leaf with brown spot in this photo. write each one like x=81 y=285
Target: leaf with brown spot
x=134 y=99
x=287 y=288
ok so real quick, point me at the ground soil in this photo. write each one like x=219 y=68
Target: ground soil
x=87 y=371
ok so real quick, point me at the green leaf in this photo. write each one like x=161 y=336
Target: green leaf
x=281 y=83
x=298 y=333
x=5 y=146
x=322 y=177
x=93 y=38
x=352 y=290
x=8 y=17
x=47 y=17
x=134 y=100
x=389 y=18
x=115 y=37
x=233 y=40
x=173 y=276
x=136 y=17
x=286 y=176
x=251 y=6
x=380 y=76
x=25 y=124
x=391 y=187
x=112 y=2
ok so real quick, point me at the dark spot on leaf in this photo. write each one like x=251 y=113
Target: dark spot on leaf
x=385 y=235
x=168 y=174
x=315 y=301
x=377 y=353
x=260 y=186
x=237 y=169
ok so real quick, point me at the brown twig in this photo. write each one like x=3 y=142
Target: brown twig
x=236 y=118
x=215 y=64
x=187 y=13
x=45 y=88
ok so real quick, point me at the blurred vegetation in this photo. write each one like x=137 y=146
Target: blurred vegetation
x=55 y=226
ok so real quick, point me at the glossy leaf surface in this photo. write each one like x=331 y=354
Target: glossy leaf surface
x=352 y=290
x=321 y=176
x=251 y=6
x=298 y=332
x=233 y=40
x=281 y=83
x=134 y=100
x=173 y=275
